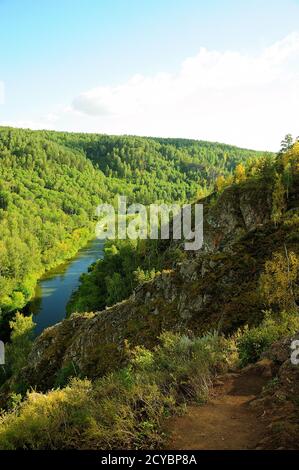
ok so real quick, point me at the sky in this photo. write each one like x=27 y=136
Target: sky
x=225 y=71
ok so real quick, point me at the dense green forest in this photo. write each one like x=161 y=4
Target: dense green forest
x=159 y=169
x=126 y=406
x=47 y=198
x=51 y=183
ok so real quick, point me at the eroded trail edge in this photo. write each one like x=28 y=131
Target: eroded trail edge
x=226 y=421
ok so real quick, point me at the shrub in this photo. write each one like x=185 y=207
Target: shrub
x=277 y=282
x=251 y=343
x=17 y=351
x=121 y=410
x=126 y=408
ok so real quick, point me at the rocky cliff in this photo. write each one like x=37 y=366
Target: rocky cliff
x=214 y=288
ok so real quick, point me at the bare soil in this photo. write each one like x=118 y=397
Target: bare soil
x=226 y=421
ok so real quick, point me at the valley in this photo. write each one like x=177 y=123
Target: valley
x=55 y=288
x=149 y=327
x=149 y=233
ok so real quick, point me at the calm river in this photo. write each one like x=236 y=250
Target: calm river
x=55 y=288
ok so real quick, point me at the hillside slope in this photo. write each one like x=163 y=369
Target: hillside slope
x=216 y=288
x=109 y=379
x=51 y=184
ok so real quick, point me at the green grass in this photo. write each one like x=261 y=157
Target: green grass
x=126 y=408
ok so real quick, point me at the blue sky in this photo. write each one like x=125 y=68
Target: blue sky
x=152 y=67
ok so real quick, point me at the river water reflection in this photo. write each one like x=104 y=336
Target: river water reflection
x=55 y=288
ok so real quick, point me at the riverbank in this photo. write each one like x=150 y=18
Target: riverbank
x=81 y=239
x=54 y=289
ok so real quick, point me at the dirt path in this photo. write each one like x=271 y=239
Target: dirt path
x=226 y=422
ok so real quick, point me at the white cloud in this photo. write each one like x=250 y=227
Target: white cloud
x=226 y=96
x=246 y=100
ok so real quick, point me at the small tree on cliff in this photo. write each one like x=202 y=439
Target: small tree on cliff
x=278 y=281
x=220 y=183
x=286 y=143
x=240 y=173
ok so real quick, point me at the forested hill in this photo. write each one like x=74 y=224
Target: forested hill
x=51 y=183
x=166 y=169
x=109 y=378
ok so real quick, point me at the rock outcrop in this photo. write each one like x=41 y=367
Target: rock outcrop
x=215 y=288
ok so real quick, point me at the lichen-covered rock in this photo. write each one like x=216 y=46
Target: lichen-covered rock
x=238 y=210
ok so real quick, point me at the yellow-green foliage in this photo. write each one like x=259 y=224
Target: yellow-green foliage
x=220 y=183
x=251 y=343
x=123 y=409
x=240 y=173
x=126 y=409
x=278 y=280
